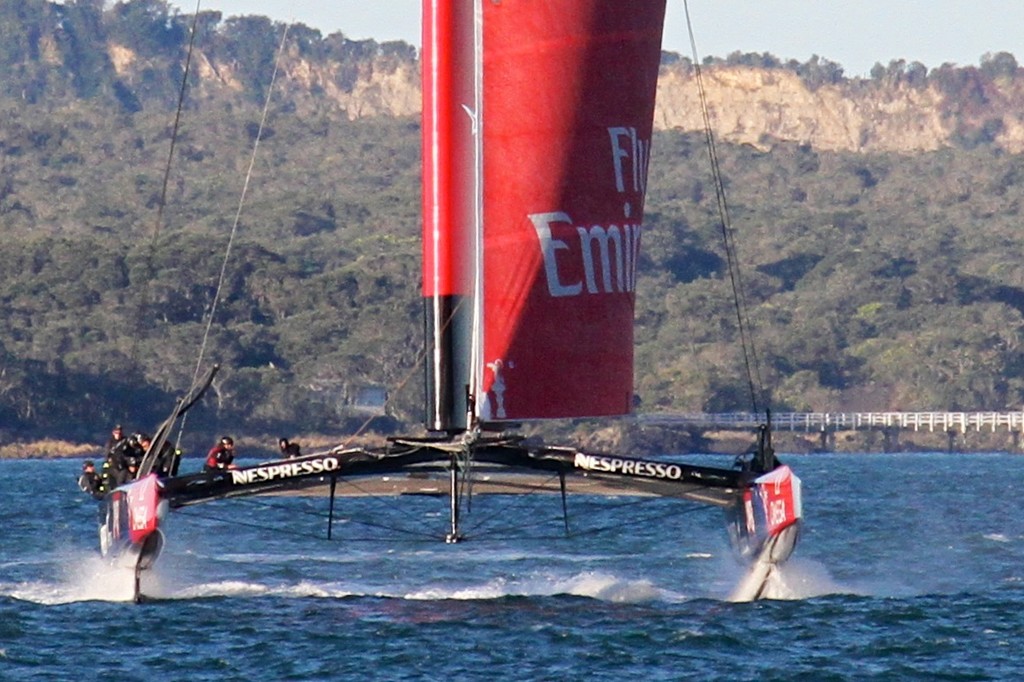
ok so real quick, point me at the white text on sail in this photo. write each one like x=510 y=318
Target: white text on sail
x=607 y=253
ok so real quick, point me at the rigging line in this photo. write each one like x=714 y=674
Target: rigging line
x=512 y=501
x=750 y=356
x=464 y=458
x=424 y=535
x=418 y=533
x=477 y=533
x=378 y=540
x=148 y=267
x=420 y=358
x=597 y=530
x=646 y=518
x=234 y=521
x=384 y=502
x=281 y=507
x=538 y=489
x=637 y=501
x=238 y=217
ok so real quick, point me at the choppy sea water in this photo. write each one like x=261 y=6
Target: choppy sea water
x=911 y=566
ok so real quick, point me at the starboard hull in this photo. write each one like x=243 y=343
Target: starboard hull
x=773 y=554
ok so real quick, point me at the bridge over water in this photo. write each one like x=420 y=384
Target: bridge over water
x=828 y=423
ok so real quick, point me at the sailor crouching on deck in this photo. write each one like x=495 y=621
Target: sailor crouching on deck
x=165 y=462
x=289 y=450
x=90 y=481
x=221 y=455
x=122 y=463
x=131 y=452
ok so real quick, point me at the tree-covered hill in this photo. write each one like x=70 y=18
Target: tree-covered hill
x=875 y=280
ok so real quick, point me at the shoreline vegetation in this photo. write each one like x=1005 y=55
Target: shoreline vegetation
x=646 y=445
x=264 y=447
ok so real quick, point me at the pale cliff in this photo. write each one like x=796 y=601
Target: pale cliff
x=747 y=105
x=754 y=106
x=757 y=105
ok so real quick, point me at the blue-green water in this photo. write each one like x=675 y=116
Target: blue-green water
x=910 y=567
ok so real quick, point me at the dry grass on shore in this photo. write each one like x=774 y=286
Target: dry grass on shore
x=49 y=449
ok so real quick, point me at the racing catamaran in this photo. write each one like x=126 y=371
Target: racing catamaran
x=536 y=124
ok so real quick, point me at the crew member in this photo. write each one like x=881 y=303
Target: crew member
x=121 y=464
x=111 y=474
x=131 y=452
x=90 y=481
x=221 y=455
x=165 y=463
x=116 y=436
x=289 y=450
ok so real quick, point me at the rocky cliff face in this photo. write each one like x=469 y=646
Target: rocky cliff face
x=380 y=87
x=756 y=106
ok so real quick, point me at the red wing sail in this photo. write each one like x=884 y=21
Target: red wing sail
x=568 y=107
x=550 y=194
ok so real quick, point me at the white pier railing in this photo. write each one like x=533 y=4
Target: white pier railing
x=843 y=421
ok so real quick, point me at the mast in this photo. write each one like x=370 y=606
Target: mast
x=449 y=210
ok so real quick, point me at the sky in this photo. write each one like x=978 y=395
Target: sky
x=854 y=33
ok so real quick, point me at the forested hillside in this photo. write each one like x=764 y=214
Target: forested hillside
x=877 y=280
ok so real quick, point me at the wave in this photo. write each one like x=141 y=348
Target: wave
x=596 y=585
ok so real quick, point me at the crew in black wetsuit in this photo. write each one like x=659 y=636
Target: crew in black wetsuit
x=90 y=481
x=115 y=469
x=131 y=457
x=110 y=475
x=220 y=455
x=116 y=436
x=166 y=462
x=289 y=450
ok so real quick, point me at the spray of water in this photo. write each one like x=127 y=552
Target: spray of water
x=801 y=578
x=84 y=576
x=73 y=578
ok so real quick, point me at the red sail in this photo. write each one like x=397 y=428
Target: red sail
x=564 y=104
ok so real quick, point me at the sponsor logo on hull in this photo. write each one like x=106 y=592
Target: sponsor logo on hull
x=629 y=467
x=285 y=470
